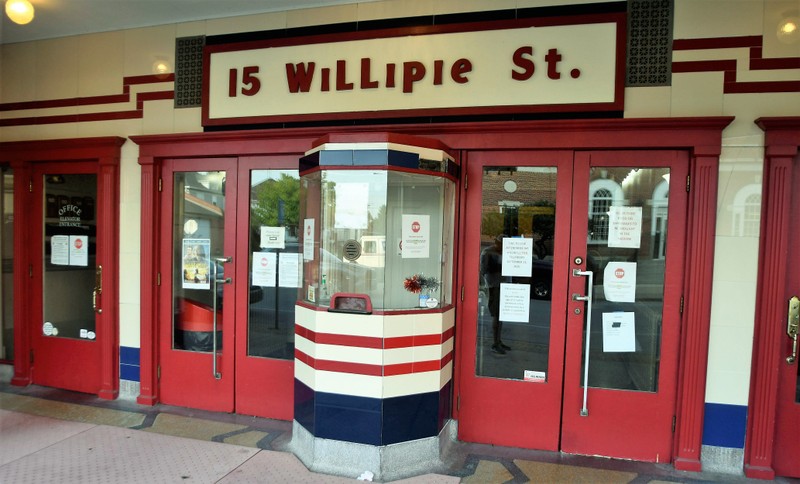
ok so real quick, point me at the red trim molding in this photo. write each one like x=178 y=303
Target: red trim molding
x=782 y=144
x=729 y=66
x=76 y=102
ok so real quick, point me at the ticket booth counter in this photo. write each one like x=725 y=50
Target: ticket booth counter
x=375 y=317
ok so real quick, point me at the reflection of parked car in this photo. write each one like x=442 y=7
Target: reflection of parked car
x=542 y=279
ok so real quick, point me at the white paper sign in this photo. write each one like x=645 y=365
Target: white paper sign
x=308 y=239
x=78 y=250
x=273 y=237
x=416 y=236
x=264 y=269
x=517 y=257
x=352 y=201
x=619 y=333
x=515 y=302
x=59 y=250
x=289 y=269
x=625 y=227
x=619 y=282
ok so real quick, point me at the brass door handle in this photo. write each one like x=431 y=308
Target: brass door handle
x=98 y=288
x=792 y=326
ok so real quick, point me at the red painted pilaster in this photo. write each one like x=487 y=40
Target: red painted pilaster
x=697 y=308
x=22 y=260
x=108 y=255
x=148 y=370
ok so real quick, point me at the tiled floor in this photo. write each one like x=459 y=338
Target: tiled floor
x=49 y=435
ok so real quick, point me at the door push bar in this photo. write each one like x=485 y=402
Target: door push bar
x=227 y=280
x=588 y=299
x=792 y=325
x=98 y=289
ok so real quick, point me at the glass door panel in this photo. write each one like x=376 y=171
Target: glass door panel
x=69 y=297
x=275 y=263
x=198 y=241
x=72 y=282
x=516 y=263
x=627 y=226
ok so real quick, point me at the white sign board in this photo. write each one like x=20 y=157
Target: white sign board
x=625 y=227
x=264 y=268
x=619 y=282
x=289 y=265
x=59 y=250
x=351 y=206
x=78 y=250
x=619 y=332
x=517 y=257
x=308 y=239
x=518 y=68
x=515 y=302
x=273 y=237
x=416 y=236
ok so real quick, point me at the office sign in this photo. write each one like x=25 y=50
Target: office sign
x=509 y=67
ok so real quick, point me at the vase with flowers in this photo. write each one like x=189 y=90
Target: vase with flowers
x=422 y=285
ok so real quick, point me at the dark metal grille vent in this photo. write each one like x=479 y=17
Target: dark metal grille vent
x=649 y=42
x=189 y=71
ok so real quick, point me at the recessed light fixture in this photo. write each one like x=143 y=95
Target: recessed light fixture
x=19 y=11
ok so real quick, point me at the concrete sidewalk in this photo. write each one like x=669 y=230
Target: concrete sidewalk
x=49 y=435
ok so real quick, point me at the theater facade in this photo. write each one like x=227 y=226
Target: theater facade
x=563 y=226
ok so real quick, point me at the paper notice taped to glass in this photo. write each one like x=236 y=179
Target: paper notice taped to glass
x=619 y=282
x=619 y=332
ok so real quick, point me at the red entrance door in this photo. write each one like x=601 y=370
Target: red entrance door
x=70 y=327
x=787 y=427
x=229 y=269
x=570 y=245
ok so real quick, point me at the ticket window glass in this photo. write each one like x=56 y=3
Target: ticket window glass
x=380 y=233
x=71 y=278
x=275 y=264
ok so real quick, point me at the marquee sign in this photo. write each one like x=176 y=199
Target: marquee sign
x=523 y=66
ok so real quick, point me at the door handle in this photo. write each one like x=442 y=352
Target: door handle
x=98 y=288
x=227 y=280
x=792 y=325
x=588 y=299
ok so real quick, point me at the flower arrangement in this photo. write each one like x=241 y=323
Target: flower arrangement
x=419 y=282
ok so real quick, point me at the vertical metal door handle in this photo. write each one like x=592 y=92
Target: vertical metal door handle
x=588 y=299
x=792 y=326
x=98 y=288
x=220 y=260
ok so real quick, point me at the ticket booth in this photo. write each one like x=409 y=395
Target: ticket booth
x=375 y=316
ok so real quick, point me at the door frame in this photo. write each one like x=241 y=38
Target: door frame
x=153 y=151
x=781 y=147
x=105 y=153
x=701 y=137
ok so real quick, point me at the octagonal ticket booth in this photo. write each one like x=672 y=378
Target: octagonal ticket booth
x=375 y=316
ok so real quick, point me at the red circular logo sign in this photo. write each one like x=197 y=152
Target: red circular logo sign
x=264 y=261
x=620 y=273
x=78 y=243
x=415 y=227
